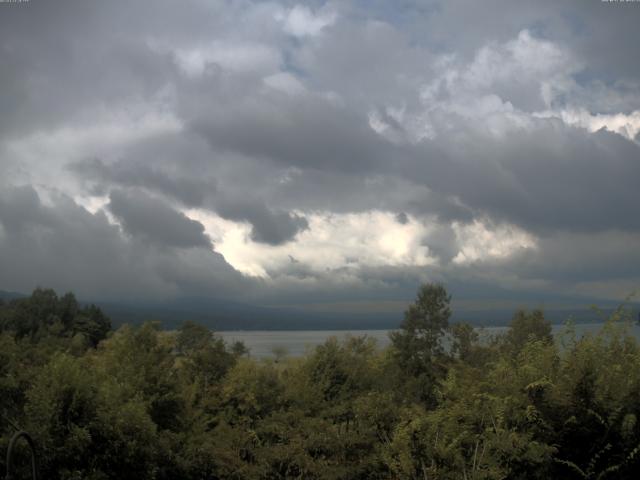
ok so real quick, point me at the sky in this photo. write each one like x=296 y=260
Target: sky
x=330 y=154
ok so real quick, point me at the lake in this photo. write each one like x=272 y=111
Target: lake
x=298 y=342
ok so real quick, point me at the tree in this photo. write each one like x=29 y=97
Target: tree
x=417 y=345
x=192 y=337
x=44 y=315
x=88 y=424
x=464 y=341
x=525 y=327
x=92 y=323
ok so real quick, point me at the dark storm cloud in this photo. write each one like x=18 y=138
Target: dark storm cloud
x=62 y=58
x=272 y=157
x=20 y=207
x=273 y=228
x=402 y=218
x=190 y=191
x=577 y=257
x=268 y=226
x=549 y=177
x=305 y=132
x=62 y=245
x=367 y=61
x=155 y=221
x=442 y=243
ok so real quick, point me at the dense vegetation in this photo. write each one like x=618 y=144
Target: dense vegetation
x=142 y=403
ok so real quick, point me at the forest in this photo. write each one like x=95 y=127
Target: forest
x=439 y=403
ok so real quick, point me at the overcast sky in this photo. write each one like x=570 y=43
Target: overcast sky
x=334 y=153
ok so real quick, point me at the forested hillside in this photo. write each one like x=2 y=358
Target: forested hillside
x=143 y=403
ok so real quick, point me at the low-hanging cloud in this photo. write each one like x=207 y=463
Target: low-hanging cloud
x=62 y=245
x=190 y=191
x=273 y=228
x=155 y=221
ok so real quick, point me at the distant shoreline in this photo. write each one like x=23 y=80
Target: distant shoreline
x=347 y=329
x=297 y=343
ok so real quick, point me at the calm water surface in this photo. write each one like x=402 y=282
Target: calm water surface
x=299 y=342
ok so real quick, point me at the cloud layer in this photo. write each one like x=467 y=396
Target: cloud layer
x=279 y=152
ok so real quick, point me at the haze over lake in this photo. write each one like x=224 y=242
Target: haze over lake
x=296 y=343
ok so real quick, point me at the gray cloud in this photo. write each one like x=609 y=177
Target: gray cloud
x=268 y=226
x=20 y=207
x=442 y=243
x=402 y=218
x=190 y=191
x=62 y=245
x=273 y=228
x=579 y=257
x=71 y=62
x=305 y=132
x=384 y=109
x=551 y=177
x=150 y=218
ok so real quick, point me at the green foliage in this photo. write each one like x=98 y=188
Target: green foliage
x=525 y=327
x=72 y=410
x=143 y=403
x=44 y=315
x=417 y=346
x=192 y=338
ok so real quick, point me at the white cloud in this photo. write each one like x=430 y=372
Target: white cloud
x=360 y=240
x=240 y=57
x=285 y=82
x=479 y=94
x=522 y=60
x=627 y=125
x=44 y=154
x=484 y=89
x=333 y=241
x=482 y=241
x=300 y=21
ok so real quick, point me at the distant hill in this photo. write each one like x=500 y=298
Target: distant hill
x=4 y=295
x=223 y=315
